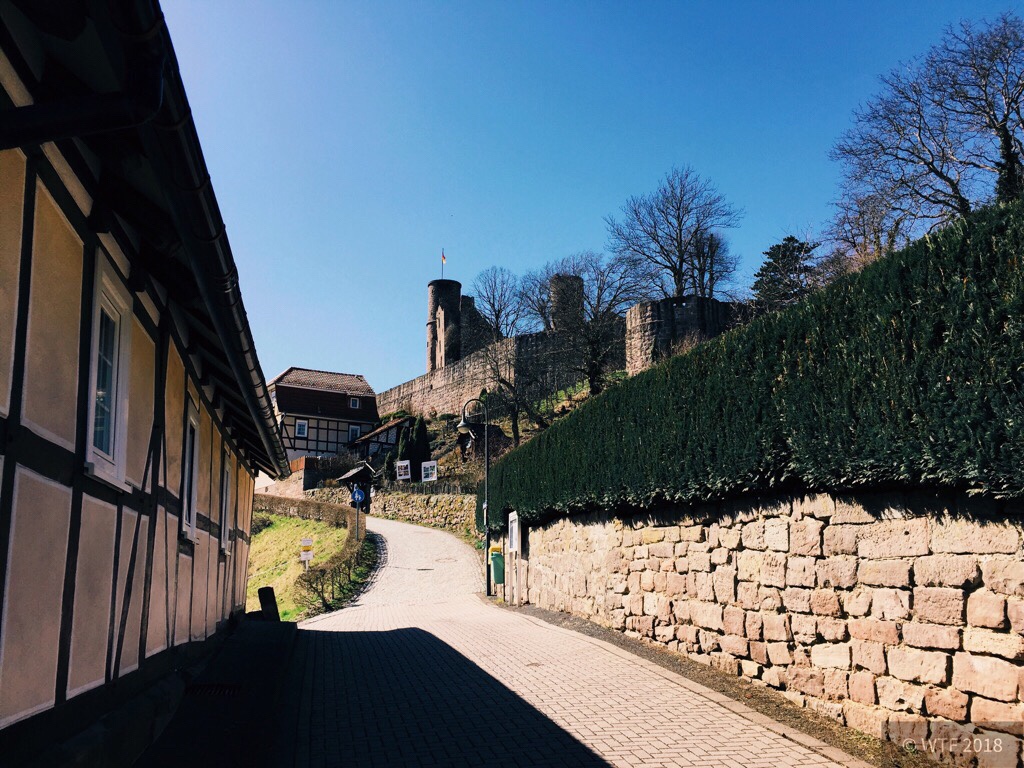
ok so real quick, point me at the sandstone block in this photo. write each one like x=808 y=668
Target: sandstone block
x=831 y=709
x=672 y=533
x=708 y=641
x=840 y=539
x=662 y=549
x=726 y=664
x=931 y=636
x=884 y=573
x=834 y=655
x=661 y=582
x=758 y=651
x=986 y=609
x=776 y=626
x=773 y=569
x=875 y=630
x=675 y=584
x=899 y=696
x=706 y=615
x=664 y=633
x=682 y=565
x=687 y=633
x=917 y=666
x=773 y=676
x=681 y=609
x=800 y=572
x=640 y=552
x=947 y=571
x=939 y=605
x=691 y=533
x=754 y=624
x=733 y=620
x=652 y=535
x=650 y=604
x=1004 y=575
x=699 y=561
x=894 y=538
x=869 y=655
x=724 y=579
x=831 y=630
x=815 y=505
x=1015 y=613
x=729 y=538
x=769 y=599
x=1009 y=646
x=776 y=534
x=720 y=556
x=752 y=535
x=825 y=602
x=987 y=676
x=997 y=715
x=644 y=625
x=797 y=600
x=945 y=702
x=806 y=680
x=849 y=511
x=858 y=601
x=647 y=581
x=747 y=595
x=779 y=653
x=805 y=537
x=905 y=729
x=862 y=687
x=969 y=536
x=748 y=565
x=951 y=742
x=836 y=684
x=889 y=603
x=866 y=719
x=705 y=586
x=734 y=645
x=837 y=572
x=750 y=669
x=804 y=627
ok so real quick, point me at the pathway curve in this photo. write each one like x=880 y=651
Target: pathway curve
x=421 y=671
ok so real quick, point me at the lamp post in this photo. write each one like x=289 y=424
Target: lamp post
x=463 y=427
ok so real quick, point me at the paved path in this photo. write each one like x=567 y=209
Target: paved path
x=421 y=671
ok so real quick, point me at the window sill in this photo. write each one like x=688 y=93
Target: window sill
x=107 y=478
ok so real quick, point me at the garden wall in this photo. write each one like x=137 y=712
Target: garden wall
x=900 y=616
x=451 y=512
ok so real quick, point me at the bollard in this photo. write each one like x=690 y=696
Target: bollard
x=268 y=604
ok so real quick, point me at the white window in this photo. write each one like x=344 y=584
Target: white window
x=301 y=428
x=108 y=385
x=353 y=402
x=353 y=432
x=190 y=471
x=227 y=508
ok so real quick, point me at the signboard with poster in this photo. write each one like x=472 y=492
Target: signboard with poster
x=402 y=471
x=429 y=469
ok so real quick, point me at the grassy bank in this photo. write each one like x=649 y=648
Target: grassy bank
x=274 y=559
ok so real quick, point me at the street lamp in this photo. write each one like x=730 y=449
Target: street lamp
x=463 y=427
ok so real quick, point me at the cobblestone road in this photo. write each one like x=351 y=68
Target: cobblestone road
x=421 y=671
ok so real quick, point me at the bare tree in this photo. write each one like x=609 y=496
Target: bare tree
x=945 y=133
x=499 y=299
x=670 y=231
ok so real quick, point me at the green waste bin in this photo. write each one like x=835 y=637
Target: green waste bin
x=497 y=566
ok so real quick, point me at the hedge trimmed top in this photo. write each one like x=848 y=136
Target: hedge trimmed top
x=909 y=373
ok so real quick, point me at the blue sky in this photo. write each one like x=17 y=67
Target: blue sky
x=349 y=142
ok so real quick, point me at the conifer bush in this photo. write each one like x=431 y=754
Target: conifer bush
x=907 y=374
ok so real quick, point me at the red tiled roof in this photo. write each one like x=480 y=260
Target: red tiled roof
x=349 y=383
x=384 y=428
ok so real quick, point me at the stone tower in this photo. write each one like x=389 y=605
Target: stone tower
x=444 y=323
x=566 y=310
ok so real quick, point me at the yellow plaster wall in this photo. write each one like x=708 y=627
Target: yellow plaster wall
x=92 y=596
x=35 y=590
x=218 y=458
x=128 y=522
x=51 y=373
x=140 y=403
x=212 y=603
x=156 y=630
x=205 y=449
x=184 y=594
x=174 y=410
x=199 y=586
x=12 y=196
x=130 y=645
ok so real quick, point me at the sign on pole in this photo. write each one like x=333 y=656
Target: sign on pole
x=429 y=471
x=358 y=496
x=402 y=470
x=305 y=550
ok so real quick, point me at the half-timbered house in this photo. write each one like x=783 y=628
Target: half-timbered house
x=134 y=415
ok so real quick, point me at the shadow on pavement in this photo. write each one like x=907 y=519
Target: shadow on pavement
x=405 y=698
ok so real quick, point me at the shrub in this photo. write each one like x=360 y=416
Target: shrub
x=260 y=523
x=907 y=374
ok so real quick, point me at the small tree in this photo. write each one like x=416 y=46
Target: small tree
x=414 y=447
x=785 y=276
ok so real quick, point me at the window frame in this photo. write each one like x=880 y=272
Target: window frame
x=305 y=429
x=353 y=403
x=110 y=296
x=359 y=433
x=190 y=473
x=226 y=505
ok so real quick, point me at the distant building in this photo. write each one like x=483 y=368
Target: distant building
x=322 y=413
x=134 y=414
x=384 y=438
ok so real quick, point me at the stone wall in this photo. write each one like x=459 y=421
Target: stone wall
x=656 y=330
x=885 y=613
x=452 y=512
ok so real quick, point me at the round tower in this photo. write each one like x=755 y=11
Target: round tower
x=444 y=323
x=566 y=310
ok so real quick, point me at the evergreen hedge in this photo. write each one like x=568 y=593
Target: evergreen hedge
x=909 y=373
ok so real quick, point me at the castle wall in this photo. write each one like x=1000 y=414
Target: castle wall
x=656 y=330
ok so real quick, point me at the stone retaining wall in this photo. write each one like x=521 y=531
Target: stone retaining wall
x=886 y=614
x=451 y=512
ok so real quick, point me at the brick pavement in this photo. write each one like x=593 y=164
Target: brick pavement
x=421 y=671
